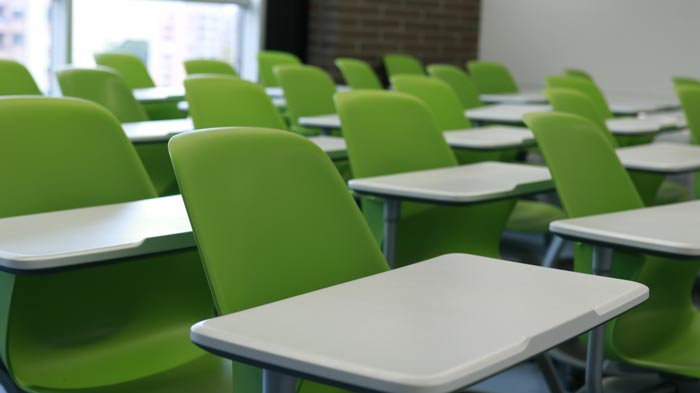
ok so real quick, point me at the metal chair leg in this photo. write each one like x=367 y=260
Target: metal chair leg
x=553 y=251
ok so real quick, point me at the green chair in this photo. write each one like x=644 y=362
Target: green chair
x=679 y=81
x=226 y=101
x=458 y=80
x=136 y=75
x=358 y=74
x=209 y=66
x=107 y=88
x=664 y=332
x=491 y=78
x=578 y=72
x=528 y=216
x=391 y=132
x=309 y=91
x=116 y=327
x=398 y=64
x=132 y=69
x=651 y=186
x=689 y=96
x=15 y=79
x=268 y=60
x=309 y=216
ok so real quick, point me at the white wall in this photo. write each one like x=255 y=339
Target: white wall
x=629 y=46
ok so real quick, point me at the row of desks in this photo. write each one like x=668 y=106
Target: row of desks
x=669 y=158
x=443 y=333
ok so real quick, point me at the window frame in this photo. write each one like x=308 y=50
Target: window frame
x=251 y=37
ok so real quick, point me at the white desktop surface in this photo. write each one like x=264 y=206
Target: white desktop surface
x=460 y=184
x=669 y=158
x=434 y=326
x=330 y=121
x=504 y=113
x=633 y=126
x=156 y=130
x=523 y=97
x=669 y=229
x=490 y=138
x=78 y=236
x=160 y=94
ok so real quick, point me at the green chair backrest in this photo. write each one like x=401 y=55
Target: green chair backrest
x=380 y=119
x=105 y=87
x=491 y=78
x=268 y=60
x=587 y=87
x=15 y=79
x=393 y=132
x=585 y=168
x=226 y=101
x=573 y=101
x=209 y=66
x=679 y=81
x=689 y=96
x=358 y=74
x=65 y=153
x=440 y=98
x=308 y=90
x=579 y=73
x=459 y=81
x=97 y=326
x=132 y=69
x=268 y=234
x=398 y=64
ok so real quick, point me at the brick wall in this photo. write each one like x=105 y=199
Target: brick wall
x=435 y=31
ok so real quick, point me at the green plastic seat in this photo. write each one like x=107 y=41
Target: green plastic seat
x=578 y=72
x=309 y=91
x=664 y=332
x=491 y=78
x=15 y=79
x=132 y=69
x=107 y=88
x=358 y=74
x=527 y=216
x=391 y=132
x=459 y=81
x=136 y=75
x=209 y=66
x=398 y=64
x=651 y=186
x=298 y=203
x=268 y=60
x=689 y=97
x=679 y=81
x=116 y=327
x=226 y=101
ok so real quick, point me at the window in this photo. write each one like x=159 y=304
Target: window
x=25 y=35
x=162 y=33
x=47 y=34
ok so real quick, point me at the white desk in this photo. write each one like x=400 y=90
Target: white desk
x=669 y=230
x=666 y=158
x=76 y=237
x=160 y=131
x=504 y=113
x=669 y=119
x=434 y=326
x=490 y=138
x=524 y=97
x=160 y=94
x=632 y=106
x=460 y=185
x=513 y=114
x=681 y=136
x=156 y=130
x=326 y=123
x=278 y=92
